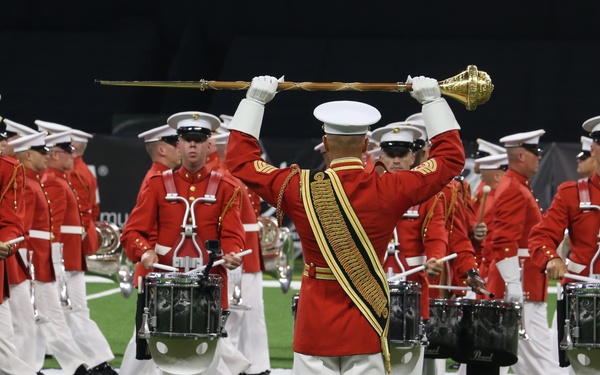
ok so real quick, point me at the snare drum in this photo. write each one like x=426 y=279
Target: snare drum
x=489 y=332
x=405 y=318
x=583 y=312
x=443 y=328
x=184 y=305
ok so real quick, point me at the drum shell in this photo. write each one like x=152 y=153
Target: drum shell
x=583 y=312
x=183 y=305
x=405 y=314
x=443 y=328
x=489 y=332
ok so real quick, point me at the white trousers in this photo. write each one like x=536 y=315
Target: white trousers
x=85 y=331
x=537 y=356
x=365 y=364
x=10 y=363
x=56 y=333
x=23 y=322
x=246 y=325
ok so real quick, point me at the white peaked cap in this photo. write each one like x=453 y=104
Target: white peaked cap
x=55 y=139
x=346 y=117
x=490 y=148
x=416 y=119
x=156 y=134
x=51 y=127
x=19 y=129
x=80 y=136
x=586 y=143
x=370 y=138
x=397 y=132
x=28 y=141
x=193 y=121
x=221 y=138
x=492 y=161
x=226 y=119
x=320 y=147
x=518 y=139
x=592 y=125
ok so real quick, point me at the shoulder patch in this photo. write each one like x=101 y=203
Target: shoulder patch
x=429 y=166
x=262 y=167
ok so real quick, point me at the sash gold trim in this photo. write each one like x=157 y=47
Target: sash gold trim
x=354 y=264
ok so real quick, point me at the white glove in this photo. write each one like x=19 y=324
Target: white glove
x=424 y=90
x=479 y=231
x=262 y=89
x=57 y=260
x=510 y=272
x=249 y=114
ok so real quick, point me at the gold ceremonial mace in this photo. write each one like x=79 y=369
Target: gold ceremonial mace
x=471 y=87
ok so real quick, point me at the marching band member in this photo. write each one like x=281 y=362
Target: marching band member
x=345 y=218
x=83 y=182
x=492 y=169
x=18 y=275
x=586 y=165
x=12 y=181
x=67 y=253
x=161 y=145
x=246 y=325
x=420 y=237
x=583 y=224
x=32 y=152
x=219 y=220
x=516 y=211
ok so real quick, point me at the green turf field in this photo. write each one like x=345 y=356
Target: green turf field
x=114 y=314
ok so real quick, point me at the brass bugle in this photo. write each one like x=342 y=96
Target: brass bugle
x=471 y=87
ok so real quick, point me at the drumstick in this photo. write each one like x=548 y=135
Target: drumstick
x=486 y=191
x=15 y=240
x=582 y=278
x=218 y=262
x=448 y=287
x=420 y=268
x=165 y=267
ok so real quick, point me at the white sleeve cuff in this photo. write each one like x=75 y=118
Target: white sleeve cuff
x=248 y=118
x=438 y=117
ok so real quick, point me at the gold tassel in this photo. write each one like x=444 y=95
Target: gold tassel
x=385 y=351
x=294 y=169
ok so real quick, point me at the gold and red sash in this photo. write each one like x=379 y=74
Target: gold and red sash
x=353 y=262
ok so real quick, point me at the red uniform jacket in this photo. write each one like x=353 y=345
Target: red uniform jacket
x=37 y=227
x=458 y=234
x=583 y=226
x=65 y=216
x=327 y=321
x=12 y=209
x=424 y=236
x=218 y=221
x=516 y=211
x=85 y=184
x=252 y=261
x=140 y=271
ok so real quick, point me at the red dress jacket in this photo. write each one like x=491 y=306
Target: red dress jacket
x=12 y=209
x=458 y=234
x=37 y=227
x=583 y=226
x=424 y=236
x=516 y=211
x=327 y=321
x=85 y=184
x=217 y=221
x=140 y=271
x=66 y=220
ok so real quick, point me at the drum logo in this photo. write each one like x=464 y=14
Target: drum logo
x=477 y=356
